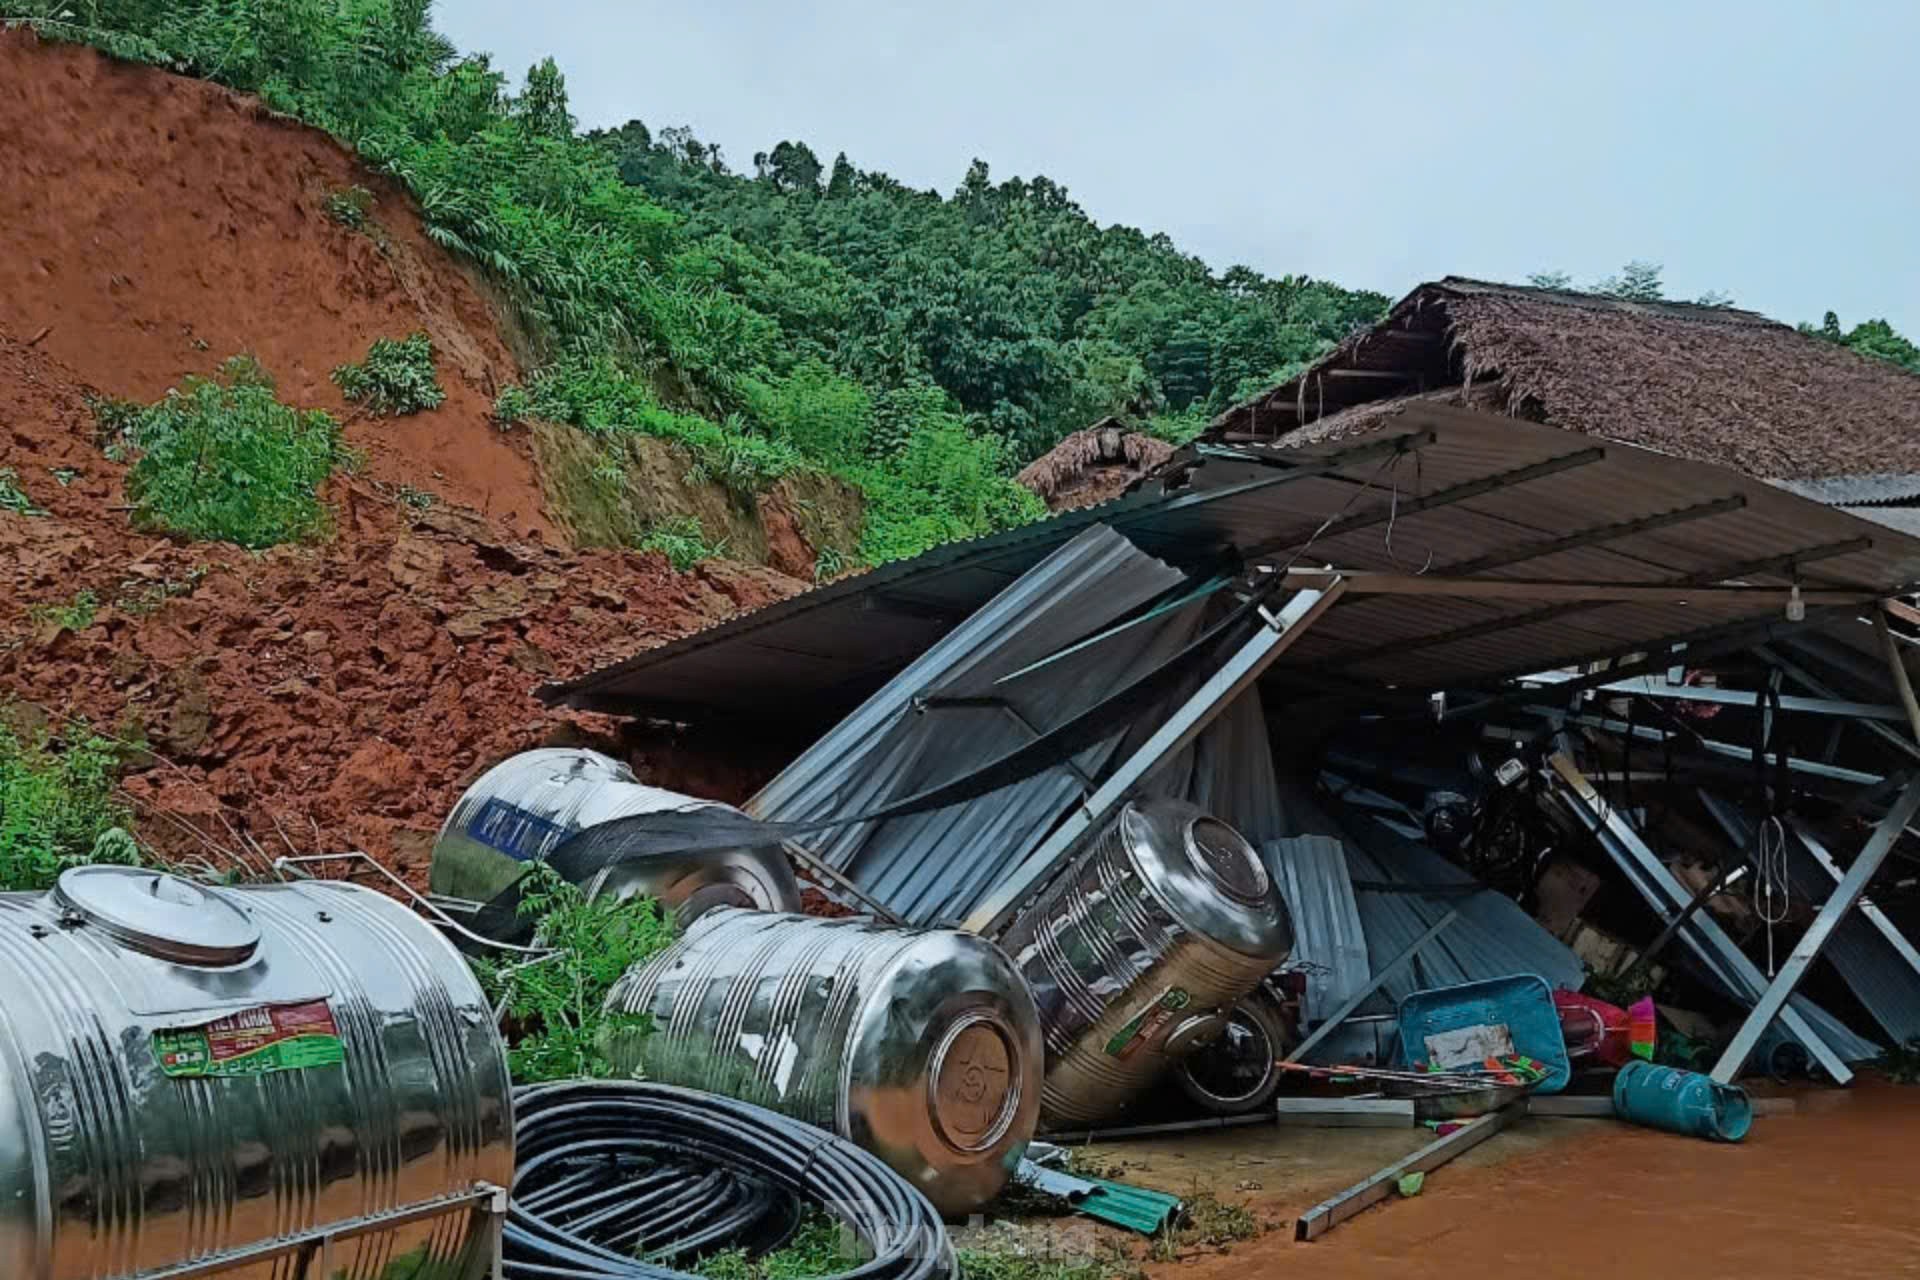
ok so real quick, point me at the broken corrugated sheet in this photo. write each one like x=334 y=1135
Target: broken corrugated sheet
x=1228 y=771
x=1329 y=939
x=1402 y=889
x=934 y=866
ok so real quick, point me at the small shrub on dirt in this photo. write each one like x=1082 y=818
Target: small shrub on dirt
x=681 y=540
x=13 y=498
x=76 y=614
x=555 y=1005
x=223 y=460
x=1205 y=1222
x=350 y=206
x=512 y=406
x=58 y=807
x=396 y=377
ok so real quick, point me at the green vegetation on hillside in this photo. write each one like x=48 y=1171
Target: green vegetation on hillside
x=396 y=377
x=58 y=807
x=222 y=459
x=921 y=347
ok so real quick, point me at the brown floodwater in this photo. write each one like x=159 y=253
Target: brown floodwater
x=1826 y=1192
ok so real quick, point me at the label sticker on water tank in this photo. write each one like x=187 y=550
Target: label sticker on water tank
x=268 y=1038
x=1144 y=1026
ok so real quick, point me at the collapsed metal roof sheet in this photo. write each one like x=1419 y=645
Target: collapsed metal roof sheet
x=1435 y=490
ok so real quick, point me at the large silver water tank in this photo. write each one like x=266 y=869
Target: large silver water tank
x=920 y=1045
x=523 y=808
x=188 y=1074
x=1134 y=953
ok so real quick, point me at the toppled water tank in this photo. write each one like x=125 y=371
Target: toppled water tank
x=525 y=807
x=1137 y=950
x=189 y=1075
x=920 y=1045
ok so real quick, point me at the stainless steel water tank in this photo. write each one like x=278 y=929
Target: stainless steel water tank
x=1135 y=952
x=920 y=1045
x=523 y=808
x=189 y=1073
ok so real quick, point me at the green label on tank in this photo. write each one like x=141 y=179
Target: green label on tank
x=1143 y=1026
x=277 y=1037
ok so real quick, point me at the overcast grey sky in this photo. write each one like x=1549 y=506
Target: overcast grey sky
x=1754 y=146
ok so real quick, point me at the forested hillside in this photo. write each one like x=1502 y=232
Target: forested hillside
x=802 y=316
x=921 y=346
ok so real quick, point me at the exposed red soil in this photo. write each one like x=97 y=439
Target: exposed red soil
x=308 y=698
x=153 y=226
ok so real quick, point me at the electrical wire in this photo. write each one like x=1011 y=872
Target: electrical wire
x=614 y=1180
x=1772 y=890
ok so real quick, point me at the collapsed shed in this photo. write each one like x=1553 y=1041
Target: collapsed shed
x=1493 y=483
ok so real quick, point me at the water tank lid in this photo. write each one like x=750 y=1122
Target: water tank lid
x=160 y=914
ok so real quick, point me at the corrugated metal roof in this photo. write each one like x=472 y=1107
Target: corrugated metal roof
x=1863 y=490
x=833 y=645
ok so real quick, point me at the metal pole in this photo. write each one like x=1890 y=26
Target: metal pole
x=1329 y=1214
x=1182 y=727
x=1807 y=949
x=1339 y=1016
x=1873 y=914
x=1902 y=684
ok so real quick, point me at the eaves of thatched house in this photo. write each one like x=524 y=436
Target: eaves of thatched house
x=1094 y=465
x=1709 y=384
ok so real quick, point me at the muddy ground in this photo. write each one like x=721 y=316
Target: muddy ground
x=1819 y=1192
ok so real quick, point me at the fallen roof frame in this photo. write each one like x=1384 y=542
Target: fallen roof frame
x=1665 y=894
x=1179 y=728
x=1370 y=582
x=1773 y=1000
x=1593 y=537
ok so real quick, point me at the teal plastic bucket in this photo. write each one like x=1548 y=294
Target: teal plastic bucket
x=1681 y=1102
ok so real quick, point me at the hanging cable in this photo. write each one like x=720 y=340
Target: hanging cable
x=1772 y=891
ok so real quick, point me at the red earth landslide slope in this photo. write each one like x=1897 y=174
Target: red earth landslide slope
x=308 y=698
x=154 y=226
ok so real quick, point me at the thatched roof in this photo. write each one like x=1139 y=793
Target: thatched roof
x=1712 y=384
x=1093 y=465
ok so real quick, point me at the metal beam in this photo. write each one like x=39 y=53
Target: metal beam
x=1773 y=1001
x=1399 y=510
x=1902 y=683
x=1650 y=733
x=1338 y=1017
x=1330 y=1213
x=1813 y=684
x=1591 y=537
x=1648 y=687
x=1663 y=892
x=1377 y=582
x=1868 y=911
x=1233 y=678
x=1495 y=626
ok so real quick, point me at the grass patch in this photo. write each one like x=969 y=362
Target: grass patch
x=1003 y=1264
x=555 y=1004
x=351 y=207
x=682 y=541
x=13 y=498
x=821 y=1246
x=221 y=459
x=396 y=378
x=58 y=807
x=1205 y=1222
x=76 y=614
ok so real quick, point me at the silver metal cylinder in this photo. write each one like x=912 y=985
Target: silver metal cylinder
x=1136 y=951
x=920 y=1045
x=219 y=1076
x=520 y=810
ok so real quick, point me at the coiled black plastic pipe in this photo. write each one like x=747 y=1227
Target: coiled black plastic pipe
x=614 y=1180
